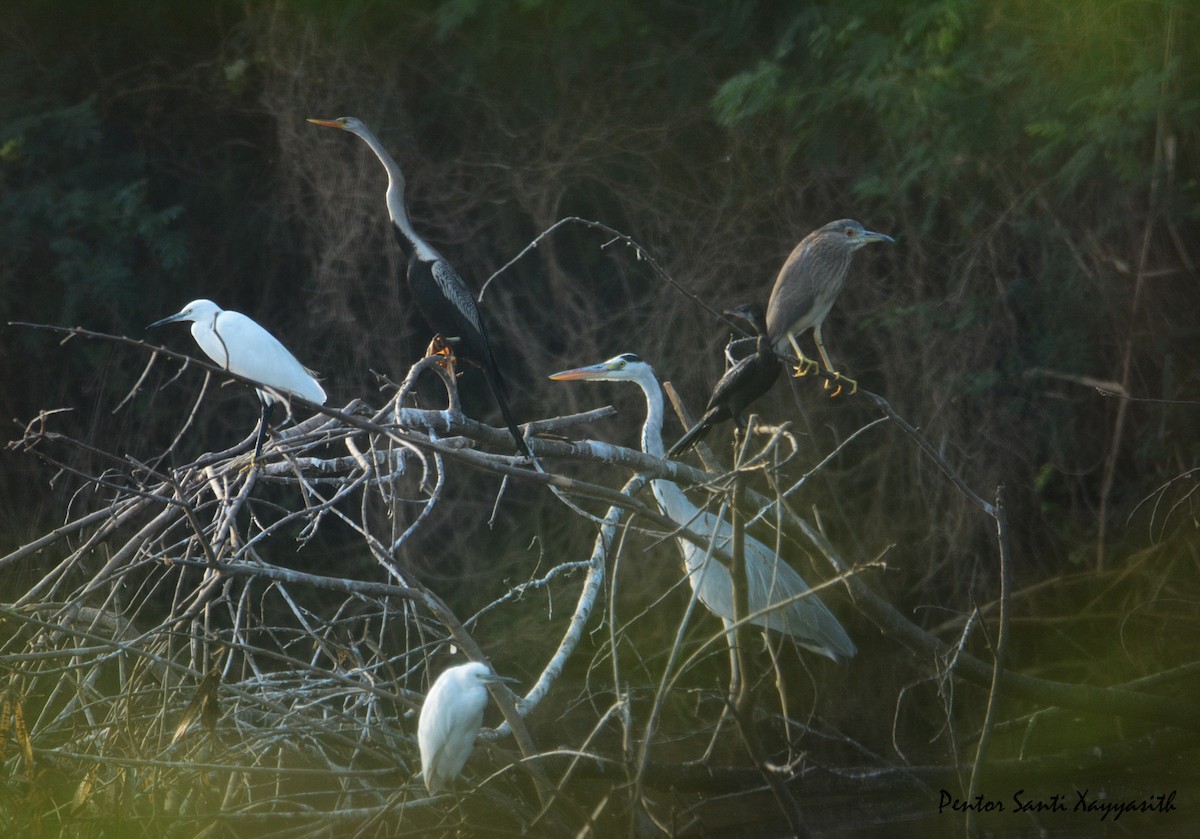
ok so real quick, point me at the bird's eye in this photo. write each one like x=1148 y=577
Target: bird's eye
x=850 y=231
x=621 y=364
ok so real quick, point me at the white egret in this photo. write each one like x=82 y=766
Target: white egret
x=239 y=345
x=437 y=288
x=450 y=721
x=808 y=283
x=770 y=581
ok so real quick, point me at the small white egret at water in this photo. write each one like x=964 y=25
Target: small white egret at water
x=771 y=583
x=238 y=344
x=450 y=720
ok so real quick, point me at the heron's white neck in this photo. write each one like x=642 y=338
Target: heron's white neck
x=670 y=497
x=397 y=209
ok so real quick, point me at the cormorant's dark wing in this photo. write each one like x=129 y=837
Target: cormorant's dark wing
x=742 y=383
x=749 y=379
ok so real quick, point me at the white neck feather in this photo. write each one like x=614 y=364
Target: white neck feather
x=397 y=209
x=670 y=497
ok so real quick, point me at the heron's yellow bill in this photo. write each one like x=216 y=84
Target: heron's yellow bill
x=578 y=373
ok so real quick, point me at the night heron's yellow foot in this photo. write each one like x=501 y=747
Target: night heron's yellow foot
x=837 y=382
x=805 y=366
x=245 y=464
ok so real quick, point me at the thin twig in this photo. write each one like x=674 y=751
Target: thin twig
x=989 y=720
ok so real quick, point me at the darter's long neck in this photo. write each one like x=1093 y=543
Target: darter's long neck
x=397 y=209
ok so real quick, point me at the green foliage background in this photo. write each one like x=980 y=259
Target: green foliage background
x=1036 y=162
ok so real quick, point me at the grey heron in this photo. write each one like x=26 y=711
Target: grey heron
x=774 y=588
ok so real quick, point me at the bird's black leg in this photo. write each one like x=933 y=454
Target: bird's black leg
x=262 y=430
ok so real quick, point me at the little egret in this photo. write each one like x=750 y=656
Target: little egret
x=808 y=284
x=450 y=721
x=437 y=288
x=771 y=582
x=238 y=344
x=742 y=383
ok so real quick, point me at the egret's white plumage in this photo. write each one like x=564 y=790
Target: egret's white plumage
x=236 y=343
x=770 y=581
x=450 y=721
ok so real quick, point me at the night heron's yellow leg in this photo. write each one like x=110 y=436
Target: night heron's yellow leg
x=838 y=378
x=245 y=464
x=806 y=365
x=837 y=385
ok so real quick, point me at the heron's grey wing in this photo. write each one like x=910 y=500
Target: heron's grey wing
x=772 y=581
x=707 y=573
x=793 y=298
x=456 y=292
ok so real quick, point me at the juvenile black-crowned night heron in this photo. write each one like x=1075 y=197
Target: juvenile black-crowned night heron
x=808 y=283
x=742 y=383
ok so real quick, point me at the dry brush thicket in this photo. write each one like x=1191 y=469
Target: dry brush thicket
x=197 y=647
x=171 y=668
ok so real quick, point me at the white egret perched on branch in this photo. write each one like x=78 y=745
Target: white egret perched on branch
x=238 y=344
x=450 y=721
x=771 y=583
x=437 y=288
x=808 y=283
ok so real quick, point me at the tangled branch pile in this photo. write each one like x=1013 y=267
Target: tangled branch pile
x=171 y=669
